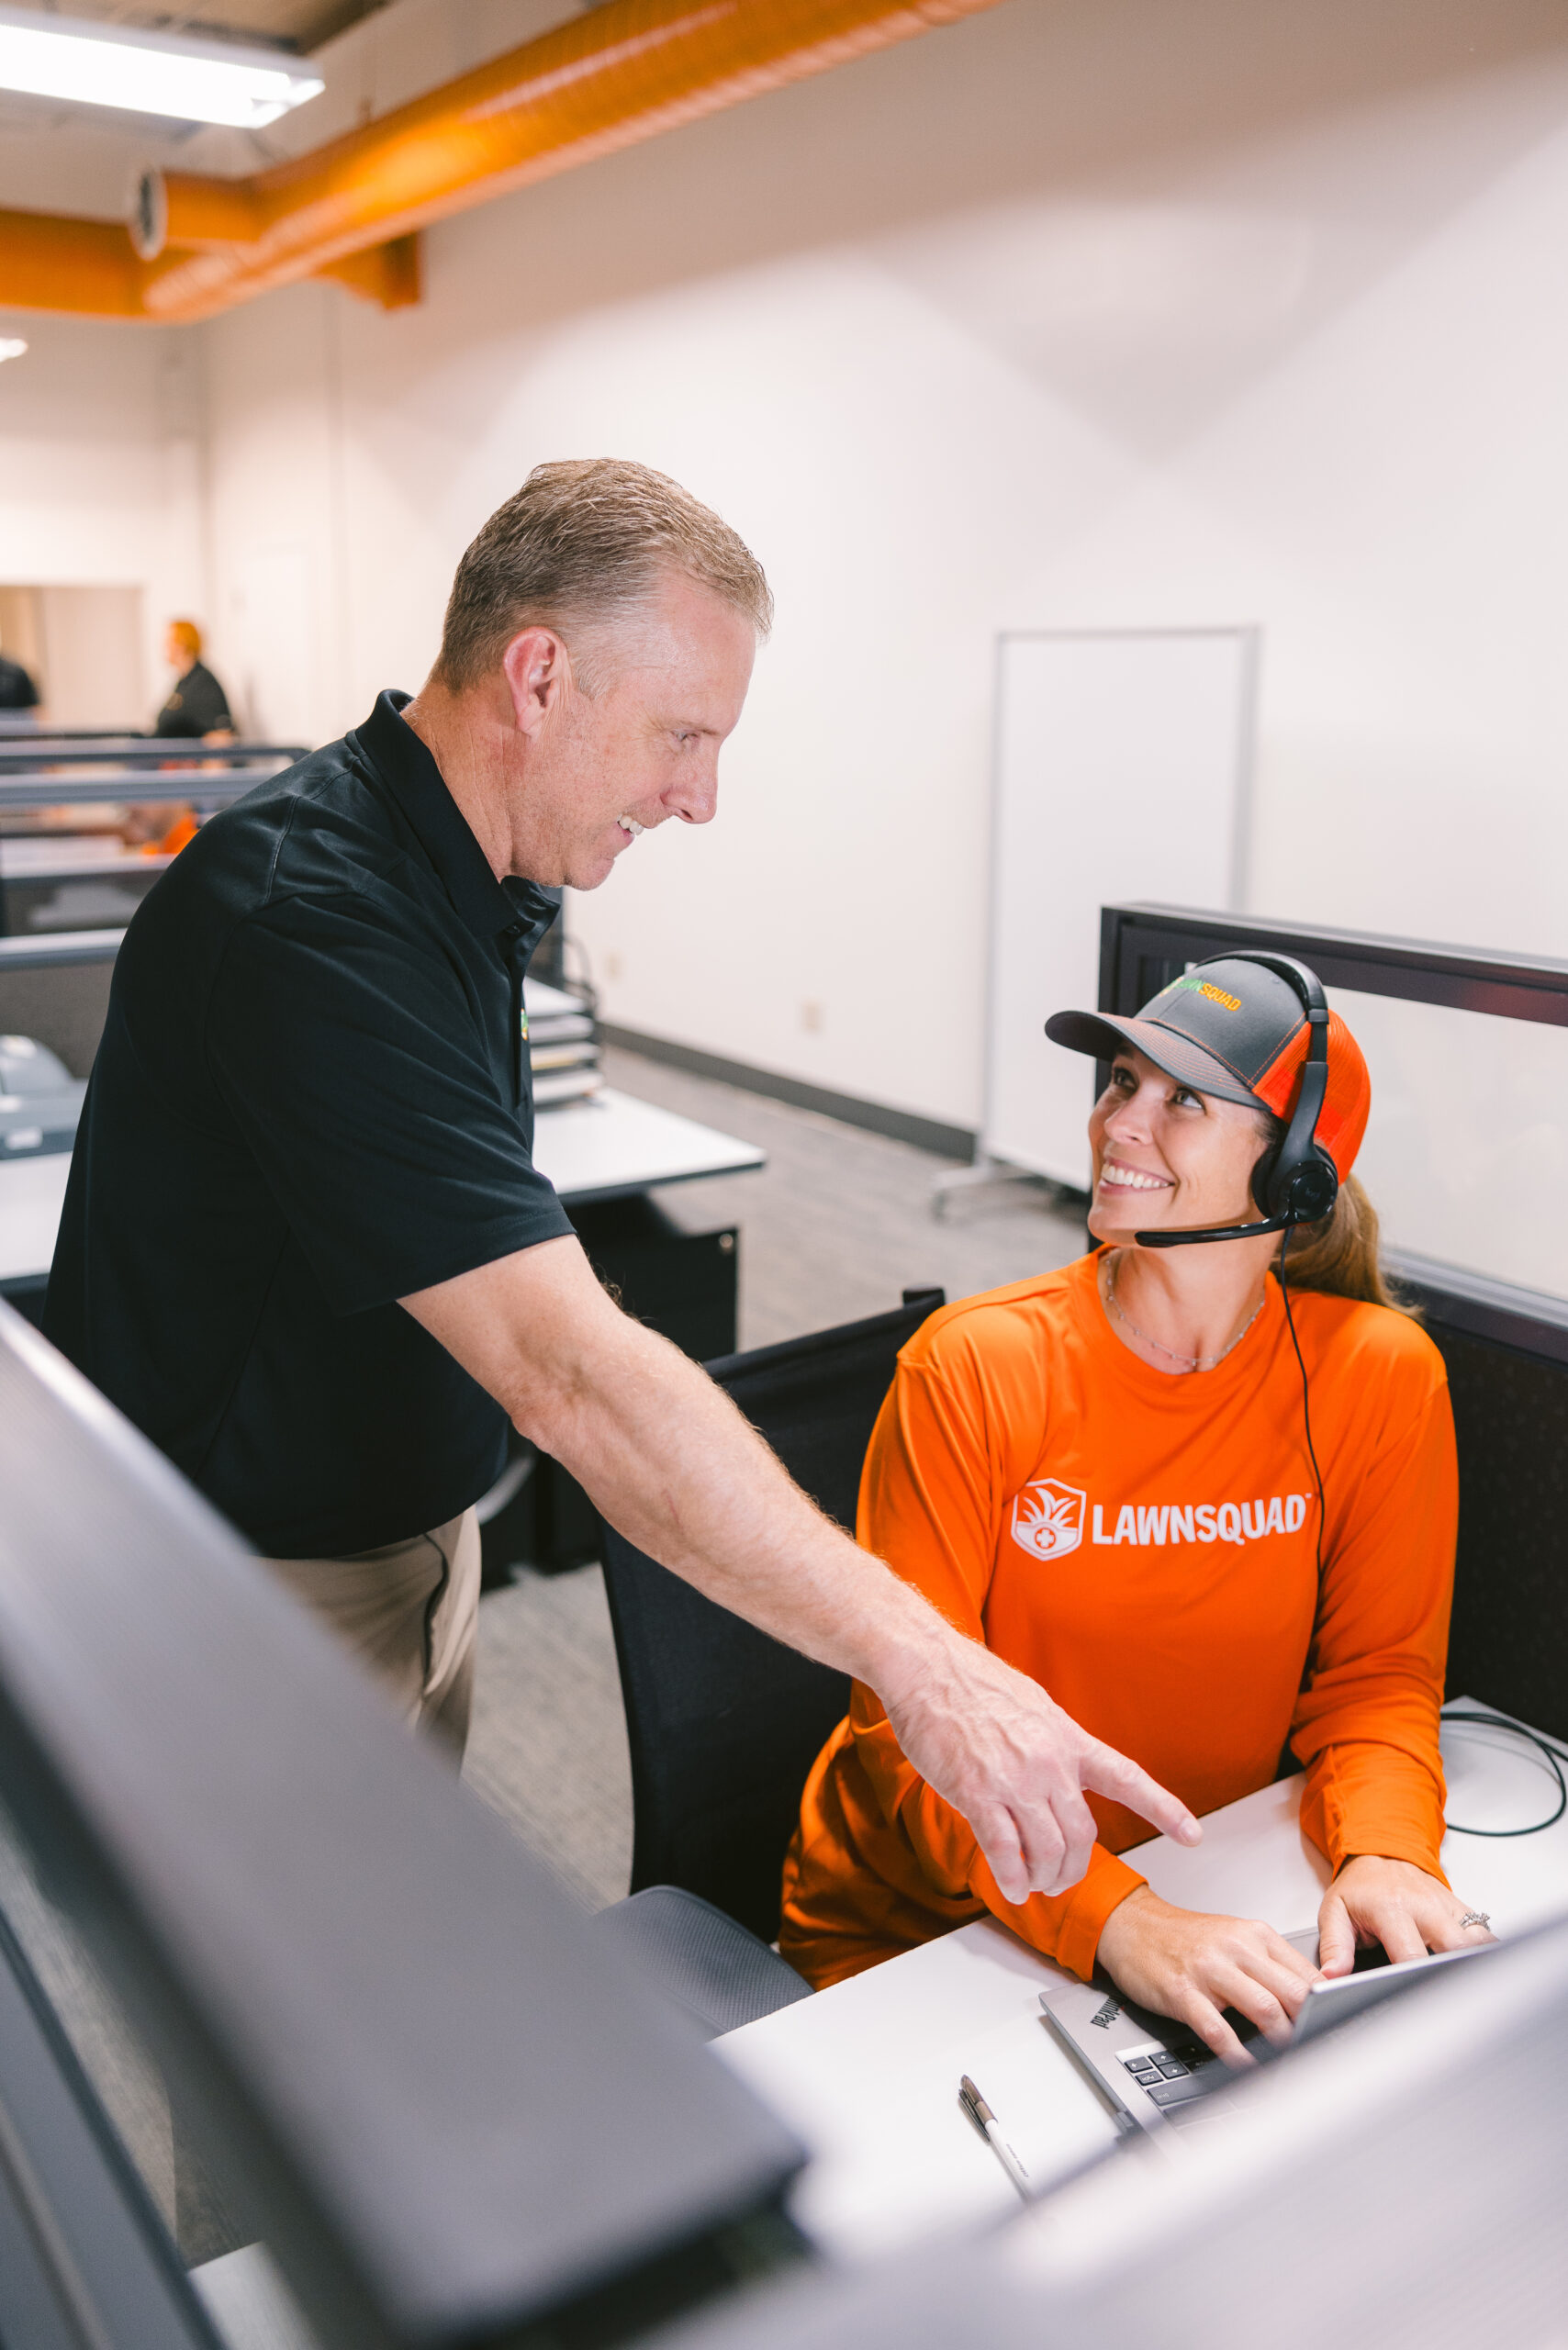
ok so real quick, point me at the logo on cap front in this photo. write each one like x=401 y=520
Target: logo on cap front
x=1047 y=1518
x=1190 y=981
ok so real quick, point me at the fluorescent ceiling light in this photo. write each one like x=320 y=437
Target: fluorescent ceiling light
x=11 y=346
x=115 y=65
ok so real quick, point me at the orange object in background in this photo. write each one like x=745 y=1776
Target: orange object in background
x=178 y=836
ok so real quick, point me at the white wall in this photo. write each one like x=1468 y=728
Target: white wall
x=101 y=470
x=1086 y=312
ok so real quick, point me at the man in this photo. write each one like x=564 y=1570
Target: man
x=305 y=1246
x=197 y=704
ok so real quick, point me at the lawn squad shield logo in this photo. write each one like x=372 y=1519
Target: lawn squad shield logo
x=1047 y=1518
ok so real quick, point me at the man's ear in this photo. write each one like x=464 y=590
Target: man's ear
x=537 y=669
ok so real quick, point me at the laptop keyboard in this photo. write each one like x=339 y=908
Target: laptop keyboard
x=1172 y=2075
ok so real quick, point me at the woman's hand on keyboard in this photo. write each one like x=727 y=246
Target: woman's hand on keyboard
x=1404 y=1908
x=1193 y=1966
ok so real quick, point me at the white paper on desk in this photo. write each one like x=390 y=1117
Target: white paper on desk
x=929 y=2172
x=1254 y=1862
x=1049 y=2116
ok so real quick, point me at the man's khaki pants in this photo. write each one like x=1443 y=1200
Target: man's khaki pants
x=411 y=1611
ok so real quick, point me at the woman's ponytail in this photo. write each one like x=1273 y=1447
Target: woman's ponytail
x=1341 y=1254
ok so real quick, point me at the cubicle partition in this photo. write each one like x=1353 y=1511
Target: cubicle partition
x=453 y=2113
x=1466 y=1159
x=62 y=866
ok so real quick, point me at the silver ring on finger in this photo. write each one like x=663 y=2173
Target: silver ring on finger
x=1476 y=1918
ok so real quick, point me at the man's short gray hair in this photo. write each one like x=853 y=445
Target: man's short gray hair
x=582 y=542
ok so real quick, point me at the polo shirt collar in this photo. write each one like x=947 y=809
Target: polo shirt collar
x=405 y=764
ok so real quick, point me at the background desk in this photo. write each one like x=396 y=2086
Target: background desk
x=612 y=1145
x=604 y=1155
x=608 y=1147
x=867 y=2074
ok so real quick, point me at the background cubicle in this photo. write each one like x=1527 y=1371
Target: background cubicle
x=1462 y=1158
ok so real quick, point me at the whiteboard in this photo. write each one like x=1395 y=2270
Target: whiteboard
x=1122 y=773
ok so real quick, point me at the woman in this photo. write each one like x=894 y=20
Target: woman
x=1106 y=1474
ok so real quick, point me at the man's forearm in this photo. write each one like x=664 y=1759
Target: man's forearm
x=667 y=1458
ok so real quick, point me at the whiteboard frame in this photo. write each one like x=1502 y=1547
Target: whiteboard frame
x=988 y=1165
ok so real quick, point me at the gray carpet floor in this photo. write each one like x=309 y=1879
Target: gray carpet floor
x=838 y=1225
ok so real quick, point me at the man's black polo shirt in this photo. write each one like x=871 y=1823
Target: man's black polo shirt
x=312 y=1098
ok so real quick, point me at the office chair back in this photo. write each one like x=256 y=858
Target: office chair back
x=724 y=1723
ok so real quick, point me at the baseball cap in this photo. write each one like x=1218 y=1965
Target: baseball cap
x=1237 y=1030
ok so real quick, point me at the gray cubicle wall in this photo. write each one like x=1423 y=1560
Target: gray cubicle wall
x=60 y=994
x=57 y=989
x=1506 y=1346
x=454 y=2113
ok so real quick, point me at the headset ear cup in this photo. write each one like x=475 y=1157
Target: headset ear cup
x=1314 y=1187
x=1326 y=1186
x=1263 y=1181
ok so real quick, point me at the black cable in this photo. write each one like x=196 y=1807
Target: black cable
x=1482 y=1721
x=1501 y=1721
x=1305 y=1402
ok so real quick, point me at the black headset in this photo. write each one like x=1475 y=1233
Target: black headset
x=1296 y=1181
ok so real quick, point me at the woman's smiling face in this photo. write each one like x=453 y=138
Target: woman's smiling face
x=1168 y=1156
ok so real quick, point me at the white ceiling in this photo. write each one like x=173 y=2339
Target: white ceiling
x=299 y=23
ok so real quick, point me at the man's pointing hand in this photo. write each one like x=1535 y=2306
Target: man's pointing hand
x=998 y=1748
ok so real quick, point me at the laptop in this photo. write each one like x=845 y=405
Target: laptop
x=1154 y=2074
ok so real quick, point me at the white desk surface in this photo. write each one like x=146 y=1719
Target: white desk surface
x=867 y=2072
x=610 y=1145
x=612 y=1142
x=32 y=1193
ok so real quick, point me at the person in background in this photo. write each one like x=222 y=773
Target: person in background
x=1107 y=1474
x=199 y=705
x=19 y=695
x=197 y=709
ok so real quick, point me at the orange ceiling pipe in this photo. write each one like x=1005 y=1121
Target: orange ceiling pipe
x=48 y=262
x=625 y=72
x=87 y=268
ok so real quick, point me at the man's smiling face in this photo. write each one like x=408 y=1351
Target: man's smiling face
x=670 y=680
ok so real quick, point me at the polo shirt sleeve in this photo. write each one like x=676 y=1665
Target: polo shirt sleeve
x=354 y=1063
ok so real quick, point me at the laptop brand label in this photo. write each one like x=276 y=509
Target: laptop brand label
x=1047 y=1518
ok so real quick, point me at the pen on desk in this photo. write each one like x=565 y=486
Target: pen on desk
x=986 y=2121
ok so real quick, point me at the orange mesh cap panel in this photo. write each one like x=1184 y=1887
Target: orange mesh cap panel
x=1347 y=1102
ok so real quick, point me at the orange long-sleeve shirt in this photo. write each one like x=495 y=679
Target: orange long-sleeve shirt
x=1145 y=1546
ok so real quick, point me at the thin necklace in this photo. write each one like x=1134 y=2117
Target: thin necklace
x=1188 y=1362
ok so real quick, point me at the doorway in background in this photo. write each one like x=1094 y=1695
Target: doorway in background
x=83 y=649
